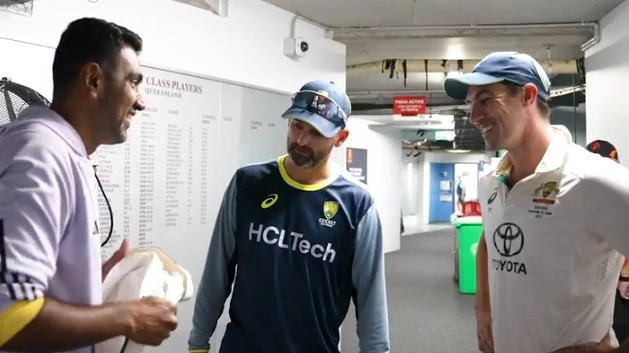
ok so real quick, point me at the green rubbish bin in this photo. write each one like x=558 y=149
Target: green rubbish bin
x=468 y=234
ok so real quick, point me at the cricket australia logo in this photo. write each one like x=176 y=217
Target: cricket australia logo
x=548 y=192
x=330 y=209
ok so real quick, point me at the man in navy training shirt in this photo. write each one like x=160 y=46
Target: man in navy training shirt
x=298 y=239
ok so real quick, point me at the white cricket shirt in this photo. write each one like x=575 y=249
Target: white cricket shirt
x=551 y=241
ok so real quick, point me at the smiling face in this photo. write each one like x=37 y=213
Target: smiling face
x=121 y=97
x=498 y=113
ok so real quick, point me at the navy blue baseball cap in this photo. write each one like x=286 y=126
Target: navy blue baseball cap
x=509 y=66
x=321 y=104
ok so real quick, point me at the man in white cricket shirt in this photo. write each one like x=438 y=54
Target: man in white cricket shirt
x=554 y=219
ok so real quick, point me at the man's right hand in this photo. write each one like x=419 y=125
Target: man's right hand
x=152 y=320
x=482 y=304
x=623 y=289
x=483 y=330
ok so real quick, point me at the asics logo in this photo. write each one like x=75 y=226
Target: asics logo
x=269 y=201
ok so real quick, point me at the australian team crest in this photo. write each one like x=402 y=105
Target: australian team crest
x=330 y=208
x=550 y=188
x=548 y=193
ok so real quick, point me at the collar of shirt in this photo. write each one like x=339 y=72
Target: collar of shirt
x=553 y=159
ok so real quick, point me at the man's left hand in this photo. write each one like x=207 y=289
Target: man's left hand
x=116 y=257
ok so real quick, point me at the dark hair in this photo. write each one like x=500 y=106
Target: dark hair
x=89 y=40
x=542 y=105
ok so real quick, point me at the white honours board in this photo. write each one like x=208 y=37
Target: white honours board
x=165 y=184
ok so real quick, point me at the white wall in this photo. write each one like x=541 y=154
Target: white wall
x=383 y=173
x=411 y=190
x=607 y=70
x=245 y=47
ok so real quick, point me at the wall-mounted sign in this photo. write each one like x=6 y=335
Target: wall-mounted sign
x=409 y=105
x=356 y=163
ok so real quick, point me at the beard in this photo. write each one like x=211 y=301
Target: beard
x=305 y=158
x=118 y=133
x=112 y=122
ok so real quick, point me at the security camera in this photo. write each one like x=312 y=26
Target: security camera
x=295 y=46
x=303 y=46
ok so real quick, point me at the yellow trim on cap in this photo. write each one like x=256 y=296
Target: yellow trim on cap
x=297 y=185
x=198 y=351
x=17 y=316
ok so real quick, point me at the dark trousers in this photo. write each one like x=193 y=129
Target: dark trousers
x=621 y=318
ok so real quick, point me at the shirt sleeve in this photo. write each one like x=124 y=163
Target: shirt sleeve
x=218 y=274
x=34 y=208
x=606 y=203
x=34 y=211
x=369 y=283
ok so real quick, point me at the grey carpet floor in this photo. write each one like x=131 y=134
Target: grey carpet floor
x=426 y=312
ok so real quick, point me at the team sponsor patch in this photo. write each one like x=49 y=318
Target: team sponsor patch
x=291 y=241
x=509 y=266
x=508 y=240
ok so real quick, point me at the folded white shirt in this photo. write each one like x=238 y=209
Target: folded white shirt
x=143 y=272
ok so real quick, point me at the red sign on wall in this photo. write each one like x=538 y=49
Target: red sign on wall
x=409 y=105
